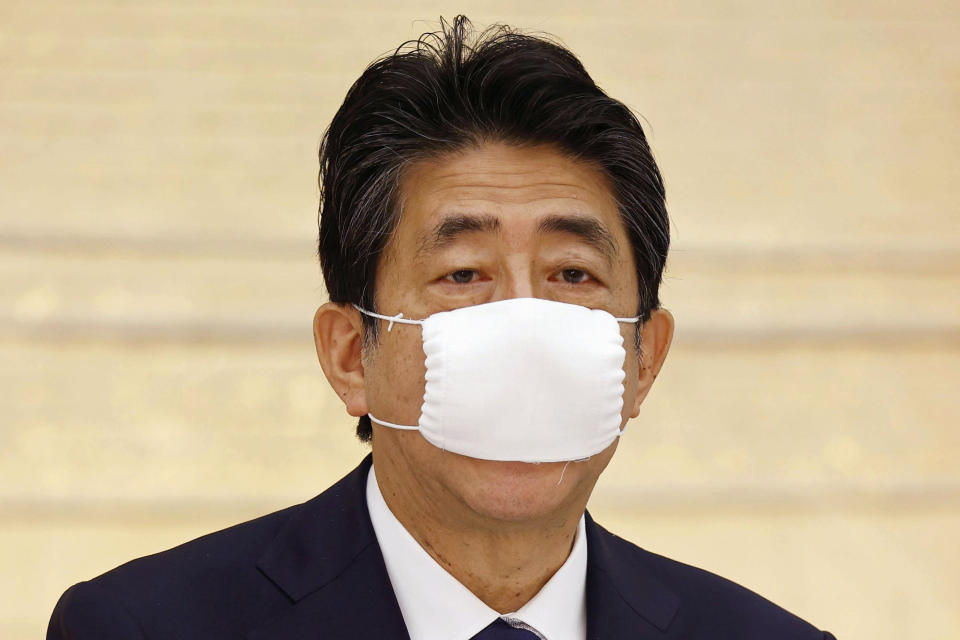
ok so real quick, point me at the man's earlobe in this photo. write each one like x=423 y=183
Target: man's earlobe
x=656 y=337
x=338 y=336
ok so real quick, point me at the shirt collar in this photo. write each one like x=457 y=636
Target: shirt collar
x=436 y=606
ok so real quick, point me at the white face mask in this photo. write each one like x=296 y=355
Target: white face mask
x=522 y=379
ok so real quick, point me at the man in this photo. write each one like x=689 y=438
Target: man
x=492 y=236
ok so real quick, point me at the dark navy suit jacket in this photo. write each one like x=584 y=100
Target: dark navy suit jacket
x=315 y=571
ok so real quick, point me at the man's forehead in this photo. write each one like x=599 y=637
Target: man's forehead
x=503 y=172
x=485 y=188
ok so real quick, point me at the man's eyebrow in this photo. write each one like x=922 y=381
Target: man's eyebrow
x=590 y=230
x=454 y=226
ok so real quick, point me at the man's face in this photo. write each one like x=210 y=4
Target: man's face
x=477 y=226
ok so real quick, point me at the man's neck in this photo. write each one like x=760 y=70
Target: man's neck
x=503 y=563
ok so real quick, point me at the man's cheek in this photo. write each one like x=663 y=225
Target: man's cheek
x=399 y=381
x=631 y=384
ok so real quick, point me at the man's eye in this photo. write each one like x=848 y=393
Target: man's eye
x=462 y=276
x=574 y=276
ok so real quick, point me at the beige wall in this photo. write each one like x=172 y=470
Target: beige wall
x=157 y=280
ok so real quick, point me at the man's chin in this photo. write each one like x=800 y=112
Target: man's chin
x=522 y=491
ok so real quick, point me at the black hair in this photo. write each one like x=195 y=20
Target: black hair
x=456 y=88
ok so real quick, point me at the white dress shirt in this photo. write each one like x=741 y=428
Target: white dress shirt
x=435 y=606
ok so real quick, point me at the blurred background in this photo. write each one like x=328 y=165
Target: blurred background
x=158 y=276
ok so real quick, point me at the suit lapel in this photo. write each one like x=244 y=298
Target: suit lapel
x=329 y=564
x=624 y=599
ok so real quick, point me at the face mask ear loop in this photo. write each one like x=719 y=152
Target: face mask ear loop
x=392 y=425
x=391 y=319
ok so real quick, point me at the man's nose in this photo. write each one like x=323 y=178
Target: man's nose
x=516 y=281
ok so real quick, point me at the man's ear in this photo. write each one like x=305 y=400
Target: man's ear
x=655 y=338
x=338 y=335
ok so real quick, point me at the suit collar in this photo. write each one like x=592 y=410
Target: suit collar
x=321 y=540
x=327 y=561
x=624 y=598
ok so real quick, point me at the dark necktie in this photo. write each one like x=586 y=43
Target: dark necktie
x=500 y=630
